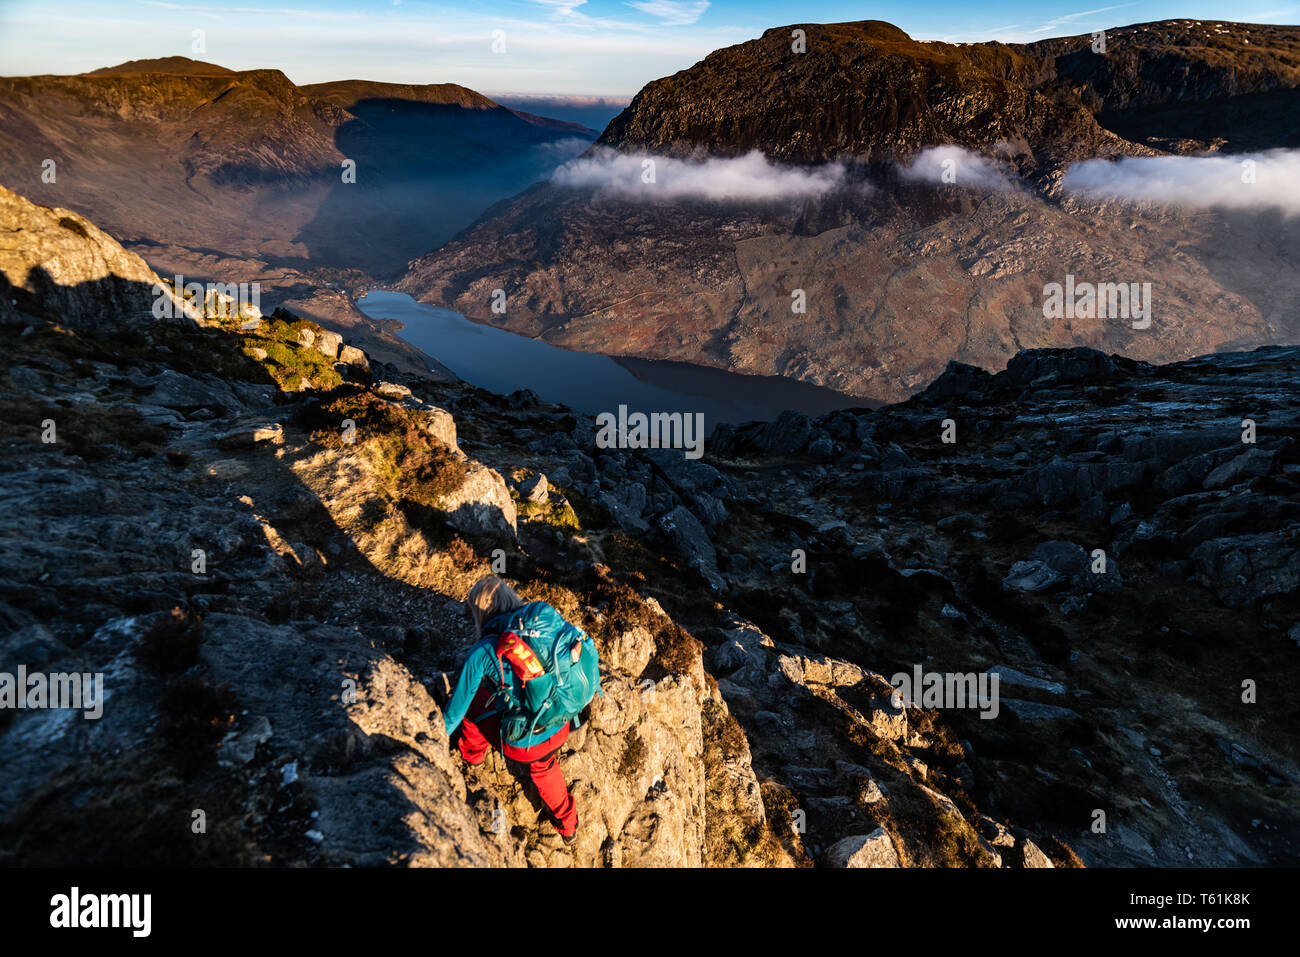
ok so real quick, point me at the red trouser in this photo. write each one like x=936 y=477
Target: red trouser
x=478 y=735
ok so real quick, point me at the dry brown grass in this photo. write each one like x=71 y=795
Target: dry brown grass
x=408 y=462
x=729 y=839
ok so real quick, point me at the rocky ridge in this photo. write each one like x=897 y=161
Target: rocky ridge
x=290 y=689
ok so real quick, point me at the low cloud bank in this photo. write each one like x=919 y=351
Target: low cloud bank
x=753 y=177
x=957 y=166
x=747 y=178
x=563 y=150
x=1249 y=181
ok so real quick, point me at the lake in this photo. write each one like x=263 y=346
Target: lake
x=504 y=362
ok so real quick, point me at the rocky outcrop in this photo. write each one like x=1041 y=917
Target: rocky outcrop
x=864 y=850
x=875 y=91
x=55 y=262
x=1089 y=529
x=349 y=762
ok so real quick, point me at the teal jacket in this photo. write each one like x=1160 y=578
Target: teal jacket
x=480 y=663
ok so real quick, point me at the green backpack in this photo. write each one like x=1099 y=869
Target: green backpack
x=556 y=666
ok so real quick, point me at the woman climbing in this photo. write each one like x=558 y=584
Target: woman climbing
x=522 y=686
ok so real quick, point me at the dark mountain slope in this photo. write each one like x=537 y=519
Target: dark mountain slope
x=870 y=90
x=349 y=93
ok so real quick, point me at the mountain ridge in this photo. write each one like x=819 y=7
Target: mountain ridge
x=876 y=92
x=902 y=273
x=175 y=152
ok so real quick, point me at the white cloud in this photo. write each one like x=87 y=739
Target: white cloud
x=672 y=12
x=963 y=168
x=1084 y=21
x=1070 y=19
x=1198 y=181
x=562 y=7
x=555 y=152
x=740 y=179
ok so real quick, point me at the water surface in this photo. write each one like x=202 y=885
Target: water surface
x=503 y=362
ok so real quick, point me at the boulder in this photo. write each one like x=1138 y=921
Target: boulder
x=887 y=717
x=482 y=504
x=863 y=850
x=240 y=746
x=789 y=433
x=1253 y=463
x=1074 y=564
x=439 y=423
x=1057 y=366
x=686 y=532
x=175 y=390
x=68 y=268
x=743 y=655
x=534 y=488
x=625 y=516
x=1191 y=471
x=1032 y=856
x=1031 y=576
x=1033 y=711
x=1243 y=569
x=1011 y=678
x=630 y=651
x=957 y=379
x=352 y=356
x=328 y=343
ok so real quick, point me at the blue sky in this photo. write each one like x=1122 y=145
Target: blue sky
x=597 y=47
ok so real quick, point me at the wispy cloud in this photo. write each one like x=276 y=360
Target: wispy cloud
x=1062 y=25
x=957 y=166
x=1255 y=181
x=672 y=12
x=561 y=7
x=1071 y=19
x=555 y=46
x=748 y=178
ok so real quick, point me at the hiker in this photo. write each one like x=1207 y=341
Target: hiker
x=522 y=687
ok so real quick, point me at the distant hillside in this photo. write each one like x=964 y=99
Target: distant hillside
x=349 y=93
x=179 y=152
x=166 y=64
